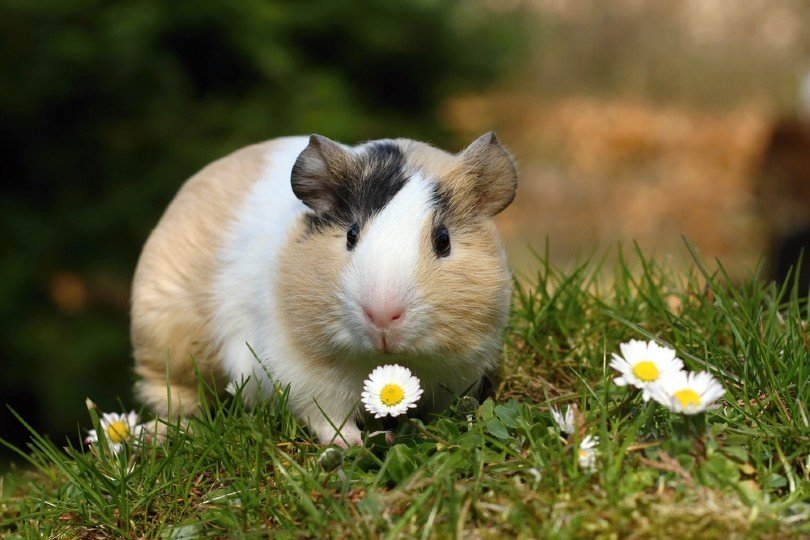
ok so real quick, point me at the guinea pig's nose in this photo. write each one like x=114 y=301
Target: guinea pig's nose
x=385 y=316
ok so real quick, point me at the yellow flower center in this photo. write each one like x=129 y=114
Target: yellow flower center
x=645 y=371
x=391 y=394
x=118 y=431
x=687 y=397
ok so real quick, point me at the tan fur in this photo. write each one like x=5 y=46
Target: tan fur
x=481 y=179
x=308 y=271
x=171 y=311
x=432 y=161
x=465 y=305
x=465 y=296
x=447 y=168
x=310 y=304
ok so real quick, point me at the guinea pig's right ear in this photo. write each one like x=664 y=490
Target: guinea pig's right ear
x=313 y=179
x=493 y=173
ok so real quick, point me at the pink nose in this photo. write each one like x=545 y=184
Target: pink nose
x=385 y=316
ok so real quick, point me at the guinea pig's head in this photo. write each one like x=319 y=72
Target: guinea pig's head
x=399 y=253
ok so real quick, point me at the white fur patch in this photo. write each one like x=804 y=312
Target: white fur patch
x=383 y=265
x=244 y=293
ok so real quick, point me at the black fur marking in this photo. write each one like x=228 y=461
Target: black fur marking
x=363 y=186
x=446 y=212
x=441 y=201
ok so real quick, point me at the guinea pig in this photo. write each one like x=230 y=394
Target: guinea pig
x=306 y=263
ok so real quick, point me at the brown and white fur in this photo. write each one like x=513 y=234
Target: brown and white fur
x=327 y=260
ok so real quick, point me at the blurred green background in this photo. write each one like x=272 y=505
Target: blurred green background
x=107 y=107
x=631 y=121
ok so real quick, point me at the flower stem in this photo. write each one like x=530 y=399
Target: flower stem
x=426 y=433
x=696 y=426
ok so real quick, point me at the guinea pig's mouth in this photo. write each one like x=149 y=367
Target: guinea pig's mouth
x=384 y=342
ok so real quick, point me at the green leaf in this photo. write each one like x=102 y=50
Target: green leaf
x=736 y=452
x=507 y=414
x=775 y=481
x=720 y=471
x=486 y=409
x=182 y=532
x=470 y=441
x=497 y=429
x=447 y=428
x=401 y=462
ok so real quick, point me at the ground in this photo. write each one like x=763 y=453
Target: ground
x=503 y=468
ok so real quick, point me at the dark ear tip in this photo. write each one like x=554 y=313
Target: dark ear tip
x=483 y=142
x=321 y=143
x=315 y=140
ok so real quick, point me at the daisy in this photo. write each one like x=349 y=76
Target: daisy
x=587 y=453
x=118 y=429
x=687 y=393
x=643 y=363
x=390 y=389
x=566 y=423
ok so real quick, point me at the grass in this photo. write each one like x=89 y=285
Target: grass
x=504 y=470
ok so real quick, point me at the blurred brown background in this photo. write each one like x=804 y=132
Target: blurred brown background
x=646 y=121
x=631 y=121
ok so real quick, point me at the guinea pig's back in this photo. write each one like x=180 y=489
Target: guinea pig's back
x=219 y=220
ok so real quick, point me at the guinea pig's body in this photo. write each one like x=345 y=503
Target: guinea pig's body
x=307 y=263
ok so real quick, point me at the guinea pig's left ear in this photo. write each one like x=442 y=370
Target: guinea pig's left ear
x=493 y=172
x=313 y=175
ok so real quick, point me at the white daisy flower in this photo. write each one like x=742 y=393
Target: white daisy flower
x=587 y=453
x=566 y=423
x=687 y=393
x=390 y=389
x=643 y=363
x=118 y=429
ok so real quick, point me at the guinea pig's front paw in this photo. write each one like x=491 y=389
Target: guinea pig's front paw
x=349 y=435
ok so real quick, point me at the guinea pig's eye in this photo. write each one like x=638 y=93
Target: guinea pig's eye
x=441 y=241
x=351 y=236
